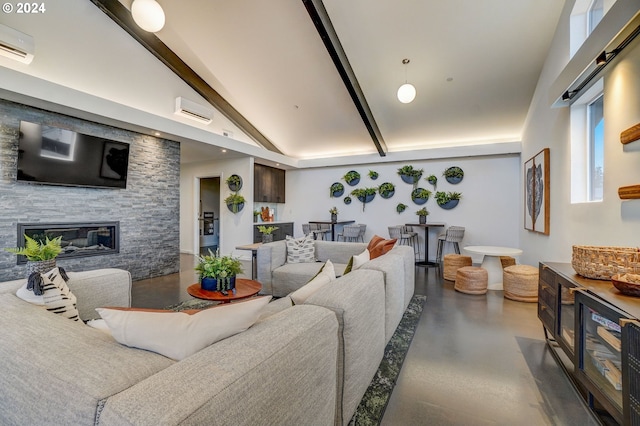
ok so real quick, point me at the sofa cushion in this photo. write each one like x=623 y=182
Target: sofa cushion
x=379 y=246
x=89 y=366
x=178 y=335
x=301 y=250
x=324 y=277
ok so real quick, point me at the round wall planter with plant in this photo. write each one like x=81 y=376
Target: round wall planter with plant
x=448 y=200
x=420 y=195
x=401 y=207
x=364 y=195
x=422 y=215
x=433 y=180
x=373 y=175
x=234 y=182
x=351 y=177
x=235 y=202
x=453 y=174
x=336 y=190
x=347 y=200
x=386 y=190
x=410 y=175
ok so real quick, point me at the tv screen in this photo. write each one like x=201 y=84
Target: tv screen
x=63 y=157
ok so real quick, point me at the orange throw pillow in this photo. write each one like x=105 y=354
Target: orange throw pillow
x=380 y=247
x=374 y=242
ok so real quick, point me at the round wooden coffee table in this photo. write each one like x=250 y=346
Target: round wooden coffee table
x=244 y=288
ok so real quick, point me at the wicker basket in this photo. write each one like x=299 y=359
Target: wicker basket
x=601 y=262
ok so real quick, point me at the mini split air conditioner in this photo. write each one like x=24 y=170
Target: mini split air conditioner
x=195 y=111
x=16 y=45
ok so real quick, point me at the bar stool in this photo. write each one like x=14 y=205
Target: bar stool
x=454 y=235
x=413 y=238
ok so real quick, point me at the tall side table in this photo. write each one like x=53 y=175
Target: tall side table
x=254 y=254
x=426 y=227
x=491 y=262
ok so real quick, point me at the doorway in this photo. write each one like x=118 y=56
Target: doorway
x=209 y=215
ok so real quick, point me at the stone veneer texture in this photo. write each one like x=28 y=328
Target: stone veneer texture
x=148 y=209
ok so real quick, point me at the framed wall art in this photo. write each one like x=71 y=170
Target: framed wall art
x=536 y=193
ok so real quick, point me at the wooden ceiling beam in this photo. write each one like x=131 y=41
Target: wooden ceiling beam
x=327 y=33
x=121 y=15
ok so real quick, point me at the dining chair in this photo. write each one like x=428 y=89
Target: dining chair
x=363 y=230
x=454 y=235
x=306 y=229
x=320 y=231
x=349 y=233
x=412 y=235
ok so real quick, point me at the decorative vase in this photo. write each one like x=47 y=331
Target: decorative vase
x=40 y=266
x=267 y=238
x=423 y=219
x=334 y=217
x=213 y=284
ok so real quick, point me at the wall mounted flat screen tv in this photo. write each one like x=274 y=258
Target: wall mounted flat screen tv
x=51 y=155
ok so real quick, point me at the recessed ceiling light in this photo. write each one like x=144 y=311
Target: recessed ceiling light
x=157 y=133
x=224 y=150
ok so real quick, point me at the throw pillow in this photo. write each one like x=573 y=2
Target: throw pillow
x=374 y=241
x=325 y=276
x=301 y=250
x=381 y=247
x=56 y=296
x=357 y=261
x=177 y=335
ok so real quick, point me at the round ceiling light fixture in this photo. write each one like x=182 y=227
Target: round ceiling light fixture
x=148 y=14
x=406 y=92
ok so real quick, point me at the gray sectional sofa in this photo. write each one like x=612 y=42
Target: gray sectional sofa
x=280 y=278
x=307 y=364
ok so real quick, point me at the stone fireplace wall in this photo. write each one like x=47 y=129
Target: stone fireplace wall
x=148 y=209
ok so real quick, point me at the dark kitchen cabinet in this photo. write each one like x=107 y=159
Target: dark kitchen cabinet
x=268 y=184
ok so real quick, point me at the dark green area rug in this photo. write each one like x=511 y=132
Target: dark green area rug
x=374 y=402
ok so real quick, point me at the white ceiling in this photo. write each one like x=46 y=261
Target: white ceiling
x=475 y=65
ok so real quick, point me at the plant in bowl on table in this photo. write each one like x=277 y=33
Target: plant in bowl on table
x=267 y=233
x=218 y=273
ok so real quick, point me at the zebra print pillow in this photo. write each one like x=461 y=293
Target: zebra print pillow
x=57 y=296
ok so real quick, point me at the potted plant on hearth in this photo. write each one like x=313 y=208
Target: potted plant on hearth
x=235 y=202
x=267 y=233
x=218 y=273
x=422 y=215
x=41 y=256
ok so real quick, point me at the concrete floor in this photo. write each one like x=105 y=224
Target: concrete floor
x=474 y=360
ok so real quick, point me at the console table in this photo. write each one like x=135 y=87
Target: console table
x=598 y=329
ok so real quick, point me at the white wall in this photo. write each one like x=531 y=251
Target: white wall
x=613 y=221
x=235 y=228
x=490 y=206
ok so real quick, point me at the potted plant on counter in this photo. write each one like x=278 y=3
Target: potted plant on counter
x=218 y=273
x=267 y=233
x=422 y=215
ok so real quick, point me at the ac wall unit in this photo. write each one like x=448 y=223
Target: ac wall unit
x=192 y=110
x=16 y=45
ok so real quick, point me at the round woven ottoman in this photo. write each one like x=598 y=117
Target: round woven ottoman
x=507 y=261
x=451 y=264
x=471 y=280
x=520 y=283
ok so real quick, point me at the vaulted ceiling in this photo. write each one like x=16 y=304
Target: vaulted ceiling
x=475 y=65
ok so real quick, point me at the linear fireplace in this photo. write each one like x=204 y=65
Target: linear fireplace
x=78 y=239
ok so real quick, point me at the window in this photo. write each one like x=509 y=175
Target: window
x=595 y=14
x=587 y=146
x=596 y=149
x=585 y=17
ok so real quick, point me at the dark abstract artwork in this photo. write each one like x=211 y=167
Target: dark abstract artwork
x=536 y=188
